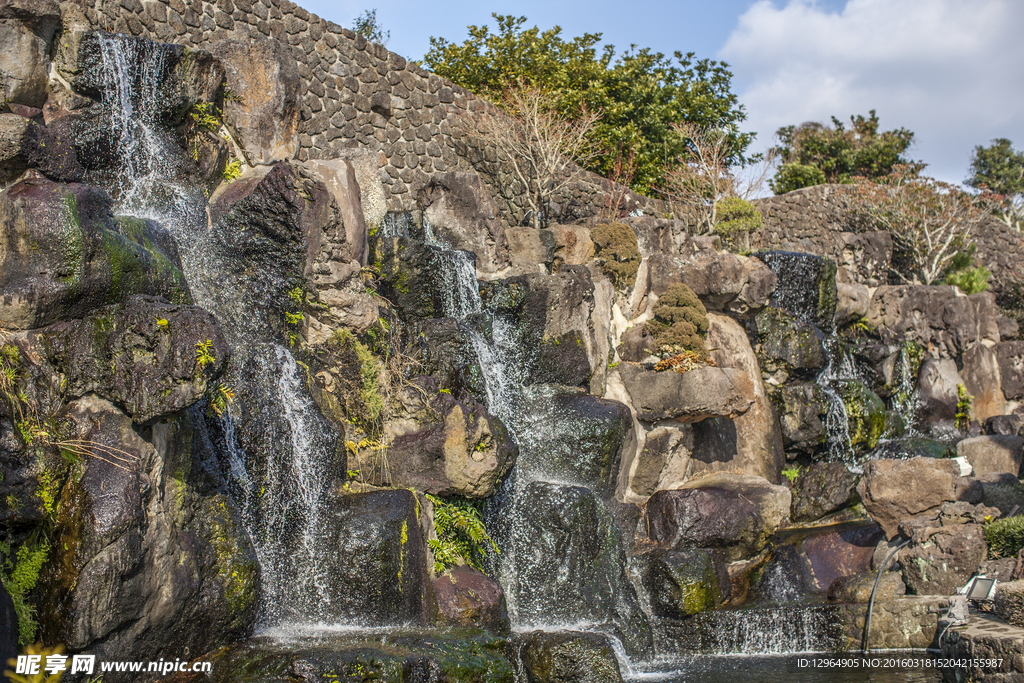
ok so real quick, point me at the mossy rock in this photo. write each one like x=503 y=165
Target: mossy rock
x=865 y=413
x=617 y=251
x=680 y=322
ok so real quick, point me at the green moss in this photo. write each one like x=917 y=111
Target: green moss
x=235 y=573
x=369 y=375
x=865 y=413
x=19 y=578
x=72 y=243
x=697 y=596
x=616 y=249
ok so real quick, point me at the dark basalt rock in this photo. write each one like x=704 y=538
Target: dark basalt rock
x=820 y=489
x=378 y=574
x=143 y=356
x=154 y=560
x=65 y=255
x=567 y=657
x=576 y=438
x=786 y=343
x=683 y=583
x=565 y=533
x=736 y=513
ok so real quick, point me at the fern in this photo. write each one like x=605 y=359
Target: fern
x=461 y=535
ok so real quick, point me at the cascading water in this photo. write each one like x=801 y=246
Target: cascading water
x=278 y=480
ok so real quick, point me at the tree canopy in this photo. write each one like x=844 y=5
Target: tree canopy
x=998 y=170
x=639 y=93
x=368 y=27
x=813 y=153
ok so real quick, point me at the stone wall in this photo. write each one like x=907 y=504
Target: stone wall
x=354 y=93
x=819 y=220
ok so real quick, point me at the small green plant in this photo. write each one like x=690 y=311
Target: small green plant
x=461 y=536
x=203 y=355
x=206 y=116
x=1005 y=537
x=791 y=473
x=737 y=215
x=233 y=170
x=965 y=274
x=297 y=294
x=964 y=401
x=293 y=318
x=220 y=397
x=41 y=676
x=19 y=575
x=162 y=323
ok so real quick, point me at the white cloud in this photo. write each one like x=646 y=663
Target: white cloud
x=949 y=70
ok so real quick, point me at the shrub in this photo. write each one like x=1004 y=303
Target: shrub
x=965 y=274
x=617 y=249
x=680 y=323
x=1005 y=537
x=737 y=215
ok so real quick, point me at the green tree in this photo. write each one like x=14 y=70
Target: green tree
x=367 y=26
x=639 y=93
x=812 y=153
x=998 y=171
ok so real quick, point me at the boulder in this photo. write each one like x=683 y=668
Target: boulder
x=687 y=396
x=664 y=461
x=462 y=214
x=25 y=144
x=734 y=512
x=566 y=316
x=723 y=281
x=682 y=583
x=446 y=354
x=866 y=417
x=571 y=566
x=155 y=557
x=26 y=33
x=822 y=488
x=788 y=345
x=1003 y=491
x=149 y=357
x=937 y=393
x=378 y=572
x=820 y=555
x=440 y=444
x=937 y=317
x=64 y=255
x=1010 y=359
x=367 y=165
x=575 y=438
x=945 y=561
x=469 y=598
x=802 y=408
x=1009 y=602
x=993 y=454
x=571 y=245
x=982 y=380
x=567 y=657
x=858 y=588
x=758 y=437
x=852 y=301
x=348 y=240
x=265 y=119
x=806 y=286
x=892 y=490
x=865 y=257
x=1004 y=425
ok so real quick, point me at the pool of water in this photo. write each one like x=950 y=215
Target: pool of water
x=896 y=667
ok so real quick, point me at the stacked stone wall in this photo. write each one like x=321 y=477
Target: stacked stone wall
x=819 y=219
x=358 y=94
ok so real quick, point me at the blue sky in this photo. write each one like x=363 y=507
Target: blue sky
x=952 y=71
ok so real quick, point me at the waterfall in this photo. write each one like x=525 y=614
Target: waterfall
x=280 y=478
x=840 y=367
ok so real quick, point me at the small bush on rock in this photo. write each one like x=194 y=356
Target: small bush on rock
x=1005 y=537
x=680 y=323
x=737 y=215
x=617 y=250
